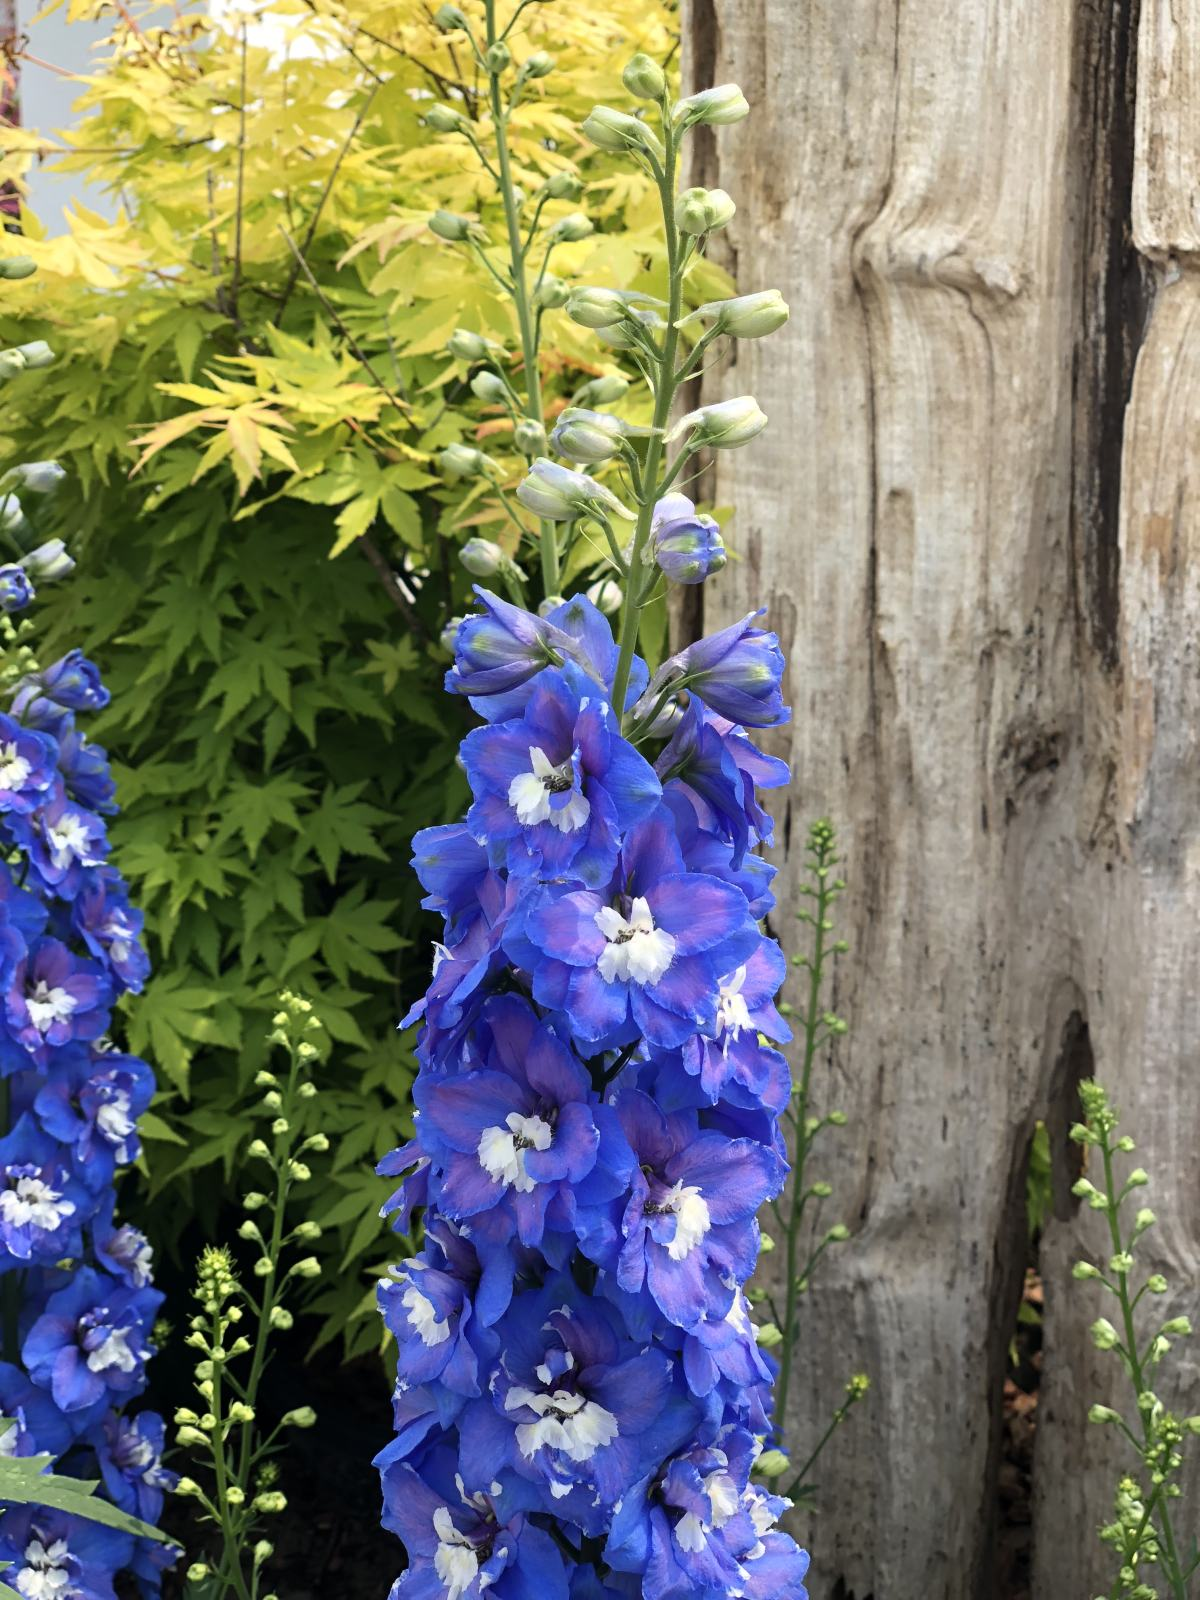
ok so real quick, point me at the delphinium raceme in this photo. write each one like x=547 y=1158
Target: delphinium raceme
x=580 y=1396
x=1146 y=1533
x=236 y=1487
x=76 y=1302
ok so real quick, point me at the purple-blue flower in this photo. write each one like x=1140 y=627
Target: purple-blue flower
x=91 y=1343
x=28 y=762
x=16 y=591
x=427 y=1306
x=557 y=789
x=737 y=673
x=129 y=1451
x=55 y=1556
x=717 y=768
x=687 y=545
x=111 y=928
x=90 y=1102
x=42 y=1203
x=72 y=682
x=62 y=840
x=54 y=997
x=685 y=1230
x=642 y=957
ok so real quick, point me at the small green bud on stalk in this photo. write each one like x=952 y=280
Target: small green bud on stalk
x=1103 y=1414
x=280 y=1126
x=497 y=58
x=250 y=1230
x=539 y=65
x=1178 y=1327
x=462 y=461
x=1085 y=1272
x=605 y=596
x=316 y=1141
x=281 y=1318
x=465 y=345
x=301 y=1417
x=598 y=308
x=235 y=1495
x=257 y=1149
x=571 y=228
x=529 y=437
x=1156 y=1283
x=589 y=437
x=722 y=426
x=254 y=1201
x=644 y=78
x=189 y=1435
x=188 y=1487
x=448 y=225
x=186 y=1414
x=746 y=316
x=12 y=362
x=552 y=293
x=837 y=1119
x=306 y=1091
x=449 y=18
x=272 y=1100
x=1144 y=1219
x=482 y=558
x=264 y=1267
x=769 y=1336
x=563 y=186
x=700 y=211
x=445 y=119
x=271 y=1502
x=306 y=1267
x=263 y=1551
x=1104 y=1335
x=489 y=387
x=838 y=1234
x=772 y=1464
x=1122 y=1261
x=239 y=1411
x=299 y=1171
x=16 y=267
x=1137 y=1179
x=713 y=108
x=560 y=495
x=197 y=1572
x=617 y=131
x=605 y=390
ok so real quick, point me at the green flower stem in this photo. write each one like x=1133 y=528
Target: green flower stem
x=231 y=1561
x=664 y=396
x=1174 y=1572
x=825 y=893
x=519 y=289
x=270 y=1293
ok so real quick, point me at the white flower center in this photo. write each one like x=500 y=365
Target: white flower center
x=733 y=1014
x=113 y=1119
x=455 y=1561
x=68 y=838
x=31 y=1200
x=47 y=1006
x=502 y=1150
x=567 y=1422
x=44 y=1575
x=114 y=1352
x=529 y=794
x=422 y=1314
x=636 y=951
x=14 y=769
x=692 y=1220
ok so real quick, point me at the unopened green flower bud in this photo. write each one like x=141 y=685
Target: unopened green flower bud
x=306 y=1267
x=497 y=58
x=299 y=1171
x=1104 y=1335
x=462 y=461
x=280 y=1126
x=571 y=228
x=239 y=1346
x=190 y=1435
x=465 y=345
x=489 y=387
x=258 y=1150
x=249 y=1230
x=187 y=1486
x=1102 y=1414
x=614 y=130
x=186 y=1414
x=281 y=1318
x=1122 y=1261
x=301 y=1417
x=239 y=1411
x=316 y=1141
x=539 y=65
x=263 y=1551
x=1144 y=1219
x=837 y=1119
x=597 y=308
x=254 y=1201
x=746 y=316
x=235 y=1495
x=264 y=1267
x=714 y=108
x=722 y=426
x=1085 y=1272
x=556 y=492
x=35 y=355
x=644 y=78
x=1177 y=1328
x=198 y=1571
x=272 y=1100
x=772 y=1464
x=699 y=211
x=449 y=18
x=454 y=229
x=769 y=1336
x=552 y=293
x=589 y=437
x=563 y=186
x=482 y=558
x=529 y=437
x=1137 y=1179
x=605 y=595
x=1156 y=1283
x=838 y=1233
x=15 y=267
x=445 y=119
x=306 y=1091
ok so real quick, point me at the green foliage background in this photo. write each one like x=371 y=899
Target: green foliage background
x=277 y=717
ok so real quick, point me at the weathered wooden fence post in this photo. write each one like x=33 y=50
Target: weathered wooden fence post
x=992 y=612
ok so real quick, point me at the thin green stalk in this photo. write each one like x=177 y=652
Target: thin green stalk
x=664 y=396
x=520 y=291
x=231 y=1564
x=1174 y=1573
x=802 y=1141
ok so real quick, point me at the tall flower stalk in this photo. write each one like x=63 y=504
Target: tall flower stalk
x=581 y=1398
x=77 y=1305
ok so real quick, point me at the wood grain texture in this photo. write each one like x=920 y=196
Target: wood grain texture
x=984 y=574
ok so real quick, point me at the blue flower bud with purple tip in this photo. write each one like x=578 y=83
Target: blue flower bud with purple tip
x=16 y=591
x=687 y=545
